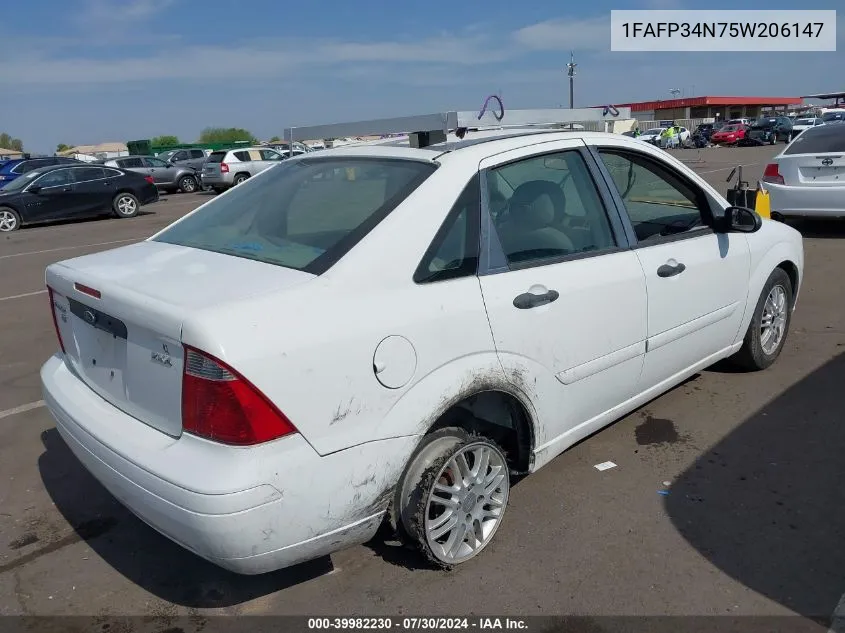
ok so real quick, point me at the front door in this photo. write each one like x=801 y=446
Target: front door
x=56 y=197
x=163 y=173
x=565 y=298
x=93 y=190
x=697 y=279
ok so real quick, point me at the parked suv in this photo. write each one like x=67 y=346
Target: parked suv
x=166 y=175
x=187 y=157
x=769 y=129
x=11 y=169
x=227 y=168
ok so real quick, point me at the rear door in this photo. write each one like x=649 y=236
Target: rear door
x=212 y=165
x=565 y=297
x=92 y=188
x=697 y=280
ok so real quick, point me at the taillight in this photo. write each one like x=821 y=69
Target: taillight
x=150 y=179
x=88 y=290
x=221 y=405
x=55 y=320
x=771 y=174
x=224 y=168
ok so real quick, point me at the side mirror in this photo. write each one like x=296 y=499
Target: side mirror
x=741 y=220
x=34 y=189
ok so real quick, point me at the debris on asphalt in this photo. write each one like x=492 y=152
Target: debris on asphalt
x=605 y=466
x=667 y=483
x=665 y=493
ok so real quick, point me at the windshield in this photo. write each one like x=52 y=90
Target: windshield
x=22 y=181
x=804 y=121
x=766 y=122
x=655 y=130
x=730 y=128
x=303 y=214
x=166 y=155
x=833 y=116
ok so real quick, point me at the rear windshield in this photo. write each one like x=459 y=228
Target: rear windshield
x=303 y=214
x=833 y=116
x=819 y=140
x=216 y=157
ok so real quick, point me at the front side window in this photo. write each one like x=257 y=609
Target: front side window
x=156 y=162
x=57 y=178
x=548 y=207
x=268 y=154
x=299 y=216
x=658 y=202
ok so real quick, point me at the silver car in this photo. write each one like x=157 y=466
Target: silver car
x=166 y=175
x=807 y=179
x=227 y=168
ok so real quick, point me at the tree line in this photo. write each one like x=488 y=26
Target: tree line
x=7 y=142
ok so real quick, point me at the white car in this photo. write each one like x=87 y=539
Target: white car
x=805 y=123
x=653 y=135
x=382 y=331
x=807 y=179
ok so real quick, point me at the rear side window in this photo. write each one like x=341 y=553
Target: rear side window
x=819 y=140
x=197 y=153
x=303 y=214
x=243 y=156
x=81 y=174
x=454 y=251
x=216 y=157
x=130 y=163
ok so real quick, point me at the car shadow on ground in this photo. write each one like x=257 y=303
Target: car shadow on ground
x=141 y=554
x=820 y=229
x=765 y=505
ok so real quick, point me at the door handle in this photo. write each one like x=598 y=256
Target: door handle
x=528 y=300
x=670 y=270
x=68 y=189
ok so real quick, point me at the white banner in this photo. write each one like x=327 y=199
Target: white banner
x=723 y=30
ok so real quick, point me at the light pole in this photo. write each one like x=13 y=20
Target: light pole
x=570 y=71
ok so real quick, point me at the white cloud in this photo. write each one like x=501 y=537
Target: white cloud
x=564 y=34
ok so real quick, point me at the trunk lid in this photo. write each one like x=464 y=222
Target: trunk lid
x=126 y=344
x=823 y=170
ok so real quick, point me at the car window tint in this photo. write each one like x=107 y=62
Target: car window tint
x=301 y=214
x=28 y=165
x=112 y=173
x=548 y=207
x=82 y=174
x=242 y=156
x=130 y=163
x=658 y=202
x=180 y=156
x=267 y=154
x=454 y=251
x=216 y=157
x=819 y=140
x=57 y=178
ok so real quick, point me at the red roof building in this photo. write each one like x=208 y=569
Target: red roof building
x=708 y=107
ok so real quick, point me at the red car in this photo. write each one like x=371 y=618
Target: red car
x=729 y=134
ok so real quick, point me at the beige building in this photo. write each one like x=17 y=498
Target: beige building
x=9 y=154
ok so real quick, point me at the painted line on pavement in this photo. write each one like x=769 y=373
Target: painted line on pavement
x=22 y=409
x=26 y=294
x=68 y=248
x=713 y=171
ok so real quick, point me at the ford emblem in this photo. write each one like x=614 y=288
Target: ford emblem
x=827 y=162
x=90 y=317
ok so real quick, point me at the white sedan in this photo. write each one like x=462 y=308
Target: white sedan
x=807 y=179
x=392 y=332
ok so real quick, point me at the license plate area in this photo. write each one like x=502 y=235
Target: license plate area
x=101 y=344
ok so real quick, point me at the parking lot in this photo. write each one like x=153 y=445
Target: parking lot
x=725 y=497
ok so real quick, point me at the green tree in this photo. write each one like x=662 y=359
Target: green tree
x=61 y=147
x=7 y=142
x=164 y=140
x=225 y=135
x=275 y=139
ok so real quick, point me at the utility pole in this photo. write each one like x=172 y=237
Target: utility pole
x=570 y=71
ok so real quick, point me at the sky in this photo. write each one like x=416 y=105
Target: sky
x=92 y=71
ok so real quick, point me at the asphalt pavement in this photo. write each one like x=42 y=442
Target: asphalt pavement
x=725 y=499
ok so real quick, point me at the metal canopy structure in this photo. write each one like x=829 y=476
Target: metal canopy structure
x=428 y=129
x=826 y=95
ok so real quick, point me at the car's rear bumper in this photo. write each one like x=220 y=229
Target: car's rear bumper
x=231 y=506
x=215 y=180
x=801 y=201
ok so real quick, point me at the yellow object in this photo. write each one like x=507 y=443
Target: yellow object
x=350 y=173
x=762 y=205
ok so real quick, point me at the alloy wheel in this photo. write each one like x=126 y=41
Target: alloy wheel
x=773 y=320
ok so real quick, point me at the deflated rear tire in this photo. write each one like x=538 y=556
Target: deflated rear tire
x=125 y=205
x=9 y=220
x=453 y=495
